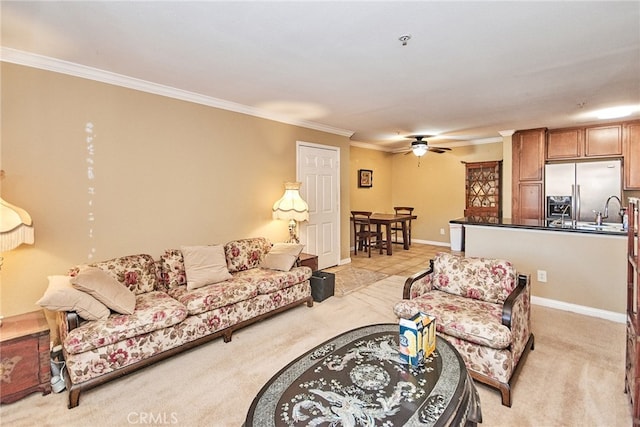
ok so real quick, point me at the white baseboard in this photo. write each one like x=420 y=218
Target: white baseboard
x=431 y=242
x=580 y=309
x=545 y=302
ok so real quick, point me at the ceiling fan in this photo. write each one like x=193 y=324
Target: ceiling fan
x=420 y=146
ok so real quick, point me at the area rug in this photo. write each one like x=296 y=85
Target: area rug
x=349 y=279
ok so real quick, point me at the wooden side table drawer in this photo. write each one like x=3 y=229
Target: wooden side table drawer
x=24 y=356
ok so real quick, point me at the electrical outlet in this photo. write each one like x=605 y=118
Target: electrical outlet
x=442 y=231
x=542 y=276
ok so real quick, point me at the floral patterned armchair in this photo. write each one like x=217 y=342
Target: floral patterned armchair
x=482 y=307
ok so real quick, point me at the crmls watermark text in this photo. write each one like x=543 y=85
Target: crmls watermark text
x=152 y=418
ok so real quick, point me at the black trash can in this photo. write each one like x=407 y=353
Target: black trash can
x=322 y=285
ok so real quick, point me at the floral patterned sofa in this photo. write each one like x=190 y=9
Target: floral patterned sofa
x=168 y=317
x=482 y=307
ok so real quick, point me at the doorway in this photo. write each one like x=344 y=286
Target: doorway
x=318 y=168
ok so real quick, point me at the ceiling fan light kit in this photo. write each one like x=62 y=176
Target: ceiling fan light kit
x=419 y=149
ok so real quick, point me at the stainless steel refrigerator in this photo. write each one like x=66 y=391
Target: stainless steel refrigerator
x=586 y=186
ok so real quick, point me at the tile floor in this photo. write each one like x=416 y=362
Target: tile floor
x=402 y=262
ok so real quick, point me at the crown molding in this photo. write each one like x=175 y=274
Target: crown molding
x=42 y=62
x=369 y=146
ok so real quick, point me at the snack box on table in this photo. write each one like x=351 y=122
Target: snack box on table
x=417 y=338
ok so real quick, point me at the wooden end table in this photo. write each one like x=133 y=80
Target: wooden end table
x=25 y=361
x=308 y=260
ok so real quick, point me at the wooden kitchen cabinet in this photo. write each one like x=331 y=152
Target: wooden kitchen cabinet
x=528 y=173
x=632 y=365
x=585 y=142
x=24 y=356
x=603 y=141
x=565 y=143
x=631 y=142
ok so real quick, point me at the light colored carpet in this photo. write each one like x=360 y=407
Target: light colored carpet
x=574 y=377
x=350 y=279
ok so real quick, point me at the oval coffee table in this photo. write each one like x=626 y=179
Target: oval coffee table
x=357 y=378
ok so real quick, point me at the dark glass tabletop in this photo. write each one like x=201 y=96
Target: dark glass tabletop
x=358 y=378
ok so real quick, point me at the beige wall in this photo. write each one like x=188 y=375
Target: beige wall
x=378 y=197
x=167 y=173
x=435 y=187
x=583 y=269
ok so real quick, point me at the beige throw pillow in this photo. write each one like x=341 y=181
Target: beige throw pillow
x=282 y=256
x=204 y=265
x=103 y=287
x=61 y=296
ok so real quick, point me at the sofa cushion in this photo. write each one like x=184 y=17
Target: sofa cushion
x=213 y=296
x=282 y=256
x=204 y=265
x=136 y=272
x=154 y=310
x=173 y=273
x=486 y=279
x=472 y=320
x=103 y=287
x=61 y=296
x=245 y=254
x=268 y=281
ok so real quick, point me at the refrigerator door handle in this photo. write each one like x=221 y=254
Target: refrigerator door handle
x=577 y=199
x=573 y=204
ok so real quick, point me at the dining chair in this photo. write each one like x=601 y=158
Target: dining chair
x=396 y=229
x=364 y=236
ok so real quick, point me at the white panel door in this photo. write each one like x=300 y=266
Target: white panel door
x=319 y=172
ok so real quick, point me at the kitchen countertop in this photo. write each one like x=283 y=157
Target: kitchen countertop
x=611 y=229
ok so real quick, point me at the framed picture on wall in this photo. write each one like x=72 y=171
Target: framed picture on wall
x=365 y=178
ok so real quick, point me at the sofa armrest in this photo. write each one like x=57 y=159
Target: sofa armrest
x=73 y=320
x=418 y=284
x=67 y=321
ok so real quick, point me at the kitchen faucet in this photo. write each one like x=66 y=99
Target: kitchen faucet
x=606 y=207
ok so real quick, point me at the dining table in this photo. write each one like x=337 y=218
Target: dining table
x=386 y=220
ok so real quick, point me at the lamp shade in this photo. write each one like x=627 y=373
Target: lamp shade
x=16 y=227
x=291 y=206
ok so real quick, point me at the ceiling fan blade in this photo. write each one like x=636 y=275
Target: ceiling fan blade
x=439 y=150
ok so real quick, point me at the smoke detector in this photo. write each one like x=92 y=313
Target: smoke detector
x=404 y=39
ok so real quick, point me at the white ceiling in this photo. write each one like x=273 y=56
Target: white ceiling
x=470 y=70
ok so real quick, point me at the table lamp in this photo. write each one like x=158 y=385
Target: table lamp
x=291 y=207
x=16 y=228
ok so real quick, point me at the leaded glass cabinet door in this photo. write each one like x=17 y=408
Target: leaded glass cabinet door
x=483 y=191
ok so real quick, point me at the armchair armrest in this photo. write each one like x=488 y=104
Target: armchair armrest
x=420 y=282
x=516 y=315
x=507 y=308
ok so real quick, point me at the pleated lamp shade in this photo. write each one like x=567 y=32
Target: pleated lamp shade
x=16 y=227
x=291 y=206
